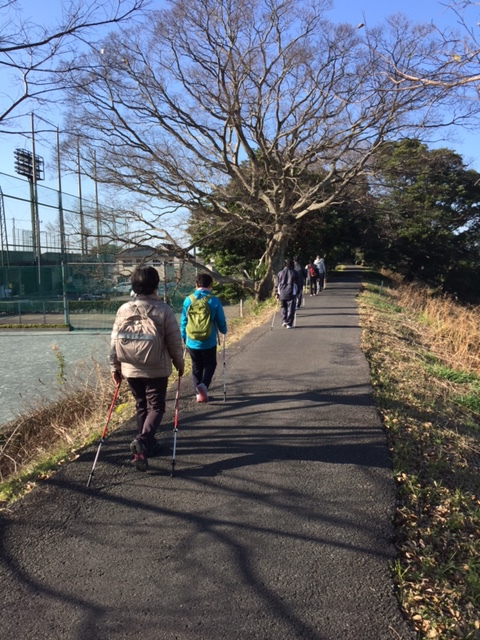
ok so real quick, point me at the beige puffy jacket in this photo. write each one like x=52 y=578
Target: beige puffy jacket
x=167 y=325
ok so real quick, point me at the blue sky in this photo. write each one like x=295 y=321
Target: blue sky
x=372 y=12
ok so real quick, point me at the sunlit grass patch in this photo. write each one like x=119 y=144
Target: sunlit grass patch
x=470 y=401
x=381 y=300
x=444 y=372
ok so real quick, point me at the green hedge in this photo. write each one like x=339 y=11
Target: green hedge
x=94 y=306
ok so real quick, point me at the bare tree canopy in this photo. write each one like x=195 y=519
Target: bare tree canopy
x=454 y=65
x=29 y=52
x=256 y=112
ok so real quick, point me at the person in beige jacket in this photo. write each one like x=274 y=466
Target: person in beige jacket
x=148 y=381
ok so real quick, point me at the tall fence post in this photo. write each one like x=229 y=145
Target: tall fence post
x=66 y=316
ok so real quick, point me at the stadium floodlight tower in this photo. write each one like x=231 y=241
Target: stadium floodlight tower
x=33 y=171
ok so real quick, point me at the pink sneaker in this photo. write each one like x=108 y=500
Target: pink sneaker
x=139 y=455
x=202 y=391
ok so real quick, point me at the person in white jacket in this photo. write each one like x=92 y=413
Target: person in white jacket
x=322 y=273
x=147 y=380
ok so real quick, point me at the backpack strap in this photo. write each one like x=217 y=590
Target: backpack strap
x=193 y=297
x=142 y=309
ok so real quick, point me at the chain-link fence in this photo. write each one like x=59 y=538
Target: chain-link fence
x=65 y=269
x=78 y=296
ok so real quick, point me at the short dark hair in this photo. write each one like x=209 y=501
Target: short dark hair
x=203 y=280
x=289 y=263
x=145 y=280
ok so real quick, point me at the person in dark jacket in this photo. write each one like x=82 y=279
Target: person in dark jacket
x=287 y=284
x=312 y=276
x=299 y=269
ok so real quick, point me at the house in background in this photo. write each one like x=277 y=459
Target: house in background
x=170 y=270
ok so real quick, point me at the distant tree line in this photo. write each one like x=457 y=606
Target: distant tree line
x=416 y=212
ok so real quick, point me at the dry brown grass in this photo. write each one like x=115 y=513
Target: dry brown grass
x=451 y=329
x=423 y=355
x=49 y=433
x=254 y=315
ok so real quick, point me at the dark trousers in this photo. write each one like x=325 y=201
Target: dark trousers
x=287 y=311
x=204 y=363
x=299 y=298
x=313 y=285
x=149 y=395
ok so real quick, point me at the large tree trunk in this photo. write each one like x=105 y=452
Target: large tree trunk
x=273 y=260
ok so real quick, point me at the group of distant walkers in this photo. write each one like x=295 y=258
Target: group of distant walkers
x=147 y=339
x=290 y=283
x=316 y=275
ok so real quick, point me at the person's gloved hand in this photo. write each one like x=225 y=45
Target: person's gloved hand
x=117 y=377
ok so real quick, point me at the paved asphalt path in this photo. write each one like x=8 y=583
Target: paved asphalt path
x=276 y=525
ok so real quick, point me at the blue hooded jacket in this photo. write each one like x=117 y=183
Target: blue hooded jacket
x=218 y=321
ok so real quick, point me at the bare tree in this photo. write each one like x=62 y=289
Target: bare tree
x=30 y=52
x=254 y=112
x=453 y=64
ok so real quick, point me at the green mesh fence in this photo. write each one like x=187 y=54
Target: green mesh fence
x=78 y=296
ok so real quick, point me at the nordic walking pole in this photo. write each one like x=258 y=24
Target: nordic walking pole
x=224 y=370
x=274 y=314
x=104 y=433
x=175 y=425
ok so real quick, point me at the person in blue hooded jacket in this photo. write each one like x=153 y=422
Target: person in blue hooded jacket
x=203 y=353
